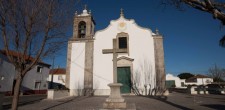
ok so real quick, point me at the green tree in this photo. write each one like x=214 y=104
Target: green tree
x=185 y=75
x=214 y=7
x=32 y=29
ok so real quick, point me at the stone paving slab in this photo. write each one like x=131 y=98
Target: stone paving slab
x=130 y=106
x=175 y=101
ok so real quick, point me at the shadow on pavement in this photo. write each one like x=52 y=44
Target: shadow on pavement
x=164 y=99
x=64 y=102
x=215 y=106
x=209 y=96
x=8 y=106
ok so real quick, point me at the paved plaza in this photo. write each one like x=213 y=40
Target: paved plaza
x=175 y=101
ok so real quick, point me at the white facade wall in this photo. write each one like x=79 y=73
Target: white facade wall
x=204 y=81
x=141 y=49
x=77 y=68
x=175 y=78
x=201 y=81
x=7 y=74
x=33 y=76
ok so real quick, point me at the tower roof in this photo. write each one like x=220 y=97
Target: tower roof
x=85 y=12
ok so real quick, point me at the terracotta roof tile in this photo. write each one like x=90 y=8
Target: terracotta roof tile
x=58 y=71
x=201 y=76
x=194 y=78
x=16 y=54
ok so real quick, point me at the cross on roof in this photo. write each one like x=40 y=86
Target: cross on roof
x=85 y=6
x=121 y=12
x=115 y=52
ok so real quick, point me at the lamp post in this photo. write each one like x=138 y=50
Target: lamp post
x=1 y=94
x=51 y=84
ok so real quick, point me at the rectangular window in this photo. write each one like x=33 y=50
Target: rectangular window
x=39 y=69
x=60 y=77
x=182 y=84
x=122 y=42
x=37 y=84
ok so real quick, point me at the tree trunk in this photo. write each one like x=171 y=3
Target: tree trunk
x=16 y=93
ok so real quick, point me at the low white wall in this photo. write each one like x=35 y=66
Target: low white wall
x=51 y=94
x=198 y=90
x=56 y=94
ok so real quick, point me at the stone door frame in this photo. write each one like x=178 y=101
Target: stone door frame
x=126 y=62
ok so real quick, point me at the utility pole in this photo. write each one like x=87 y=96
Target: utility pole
x=51 y=84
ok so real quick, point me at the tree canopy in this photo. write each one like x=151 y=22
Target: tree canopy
x=185 y=75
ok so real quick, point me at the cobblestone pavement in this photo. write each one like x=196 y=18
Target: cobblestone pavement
x=175 y=101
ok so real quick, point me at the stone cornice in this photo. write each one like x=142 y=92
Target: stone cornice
x=126 y=58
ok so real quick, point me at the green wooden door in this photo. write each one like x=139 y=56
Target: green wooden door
x=123 y=76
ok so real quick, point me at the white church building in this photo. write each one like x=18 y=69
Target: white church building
x=89 y=71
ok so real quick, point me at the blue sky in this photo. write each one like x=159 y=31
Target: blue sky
x=190 y=37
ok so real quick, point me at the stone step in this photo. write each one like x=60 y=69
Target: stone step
x=130 y=106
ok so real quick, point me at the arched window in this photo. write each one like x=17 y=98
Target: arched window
x=81 y=29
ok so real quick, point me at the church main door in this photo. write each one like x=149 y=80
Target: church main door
x=124 y=77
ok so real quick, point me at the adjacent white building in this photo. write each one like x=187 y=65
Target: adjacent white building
x=174 y=81
x=57 y=76
x=89 y=70
x=7 y=73
x=34 y=82
x=199 y=80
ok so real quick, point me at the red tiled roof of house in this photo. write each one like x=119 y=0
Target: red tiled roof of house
x=194 y=78
x=58 y=71
x=16 y=54
x=201 y=76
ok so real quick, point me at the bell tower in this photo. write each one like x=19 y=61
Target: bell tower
x=159 y=60
x=83 y=33
x=84 y=25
